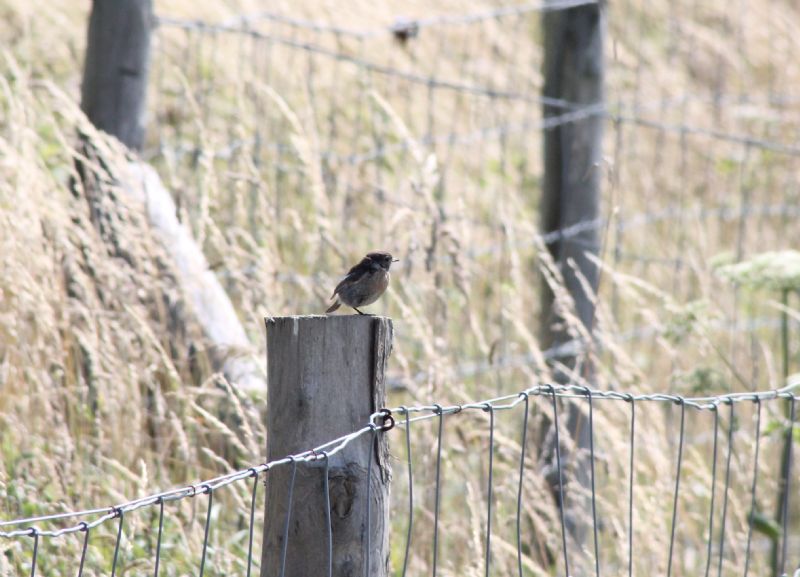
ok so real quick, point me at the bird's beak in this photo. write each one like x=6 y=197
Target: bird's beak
x=395 y=260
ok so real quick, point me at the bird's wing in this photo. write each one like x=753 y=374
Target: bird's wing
x=352 y=275
x=338 y=287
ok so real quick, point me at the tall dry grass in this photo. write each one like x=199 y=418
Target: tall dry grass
x=289 y=164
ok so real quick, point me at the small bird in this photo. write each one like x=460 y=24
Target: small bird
x=364 y=283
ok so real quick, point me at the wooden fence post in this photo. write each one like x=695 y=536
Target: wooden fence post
x=116 y=68
x=574 y=73
x=325 y=379
x=573 y=77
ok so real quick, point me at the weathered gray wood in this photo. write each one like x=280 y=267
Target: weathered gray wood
x=325 y=378
x=114 y=86
x=574 y=72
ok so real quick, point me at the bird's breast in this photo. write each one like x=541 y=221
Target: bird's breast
x=367 y=290
x=383 y=280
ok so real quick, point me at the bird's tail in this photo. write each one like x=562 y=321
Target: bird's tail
x=334 y=306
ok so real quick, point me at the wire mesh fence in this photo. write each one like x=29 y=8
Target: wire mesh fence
x=667 y=485
x=427 y=133
x=291 y=141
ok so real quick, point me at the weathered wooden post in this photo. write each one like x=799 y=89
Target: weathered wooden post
x=573 y=80
x=325 y=379
x=116 y=67
x=573 y=77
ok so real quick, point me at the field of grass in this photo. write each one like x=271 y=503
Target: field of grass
x=291 y=151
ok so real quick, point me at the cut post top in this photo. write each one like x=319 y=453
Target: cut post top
x=269 y=320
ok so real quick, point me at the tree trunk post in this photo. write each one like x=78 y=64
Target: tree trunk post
x=114 y=88
x=326 y=376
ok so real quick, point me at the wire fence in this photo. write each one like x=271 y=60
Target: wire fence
x=714 y=513
x=288 y=138
x=428 y=132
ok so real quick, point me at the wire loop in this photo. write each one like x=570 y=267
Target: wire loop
x=388 y=419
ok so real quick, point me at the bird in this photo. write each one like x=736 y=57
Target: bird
x=364 y=283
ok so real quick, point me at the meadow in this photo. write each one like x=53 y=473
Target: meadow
x=297 y=139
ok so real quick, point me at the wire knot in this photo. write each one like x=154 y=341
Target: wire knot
x=404 y=29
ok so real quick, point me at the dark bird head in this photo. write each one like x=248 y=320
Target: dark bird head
x=381 y=259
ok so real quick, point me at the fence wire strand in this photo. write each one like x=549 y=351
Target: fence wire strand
x=158 y=539
x=521 y=479
x=678 y=469
x=263 y=39
x=731 y=427
x=751 y=516
x=787 y=479
x=713 y=489
x=556 y=393
x=408 y=25
x=561 y=506
x=206 y=528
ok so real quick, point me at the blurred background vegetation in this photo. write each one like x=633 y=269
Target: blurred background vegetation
x=295 y=140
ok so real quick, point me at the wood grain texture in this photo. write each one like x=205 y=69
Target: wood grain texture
x=326 y=376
